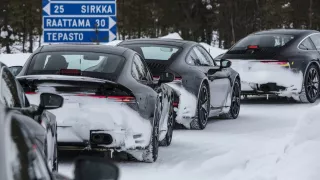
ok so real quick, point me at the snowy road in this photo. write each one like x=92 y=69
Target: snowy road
x=226 y=150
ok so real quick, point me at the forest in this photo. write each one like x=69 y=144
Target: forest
x=219 y=22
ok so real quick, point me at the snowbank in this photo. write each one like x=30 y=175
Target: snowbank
x=214 y=51
x=301 y=157
x=296 y=158
x=172 y=36
x=14 y=59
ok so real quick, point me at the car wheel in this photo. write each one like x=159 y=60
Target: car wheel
x=150 y=154
x=235 y=102
x=203 y=109
x=310 y=89
x=171 y=121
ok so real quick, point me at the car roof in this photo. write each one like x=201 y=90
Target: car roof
x=294 y=32
x=172 y=42
x=83 y=48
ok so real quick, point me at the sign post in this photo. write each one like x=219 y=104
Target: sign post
x=79 y=21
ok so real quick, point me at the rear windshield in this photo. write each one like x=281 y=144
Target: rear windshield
x=90 y=64
x=155 y=52
x=264 y=41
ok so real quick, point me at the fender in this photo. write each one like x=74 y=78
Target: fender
x=234 y=79
x=203 y=80
x=312 y=61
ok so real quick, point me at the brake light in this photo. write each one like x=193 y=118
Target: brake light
x=122 y=98
x=281 y=63
x=253 y=47
x=30 y=93
x=75 y=72
x=178 y=78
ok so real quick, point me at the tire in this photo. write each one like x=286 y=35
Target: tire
x=55 y=158
x=150 y=154
x=171 y=123
x=235 y=102
x=311 y=83
x=203 y=109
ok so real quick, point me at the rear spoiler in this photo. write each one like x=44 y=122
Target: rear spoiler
x=31 y=83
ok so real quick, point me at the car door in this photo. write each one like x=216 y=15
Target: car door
x=26 y=161
x=219 y=82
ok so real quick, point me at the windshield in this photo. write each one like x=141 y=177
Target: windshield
x=265 y=41
x=155 y=52
x=91 y=64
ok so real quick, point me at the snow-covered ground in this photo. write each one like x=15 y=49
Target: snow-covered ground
x=267 y=141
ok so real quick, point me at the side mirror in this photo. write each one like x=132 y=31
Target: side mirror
x=166 y=78
x=50 y=101
x=15 y=70
x=225 y=63
x=95 y=169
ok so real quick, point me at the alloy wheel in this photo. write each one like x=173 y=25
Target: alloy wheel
x=204 y=106
x=235 y=103
x=312 y=83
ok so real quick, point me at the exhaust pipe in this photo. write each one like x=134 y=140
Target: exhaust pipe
x=97 y=138
x=100 y=138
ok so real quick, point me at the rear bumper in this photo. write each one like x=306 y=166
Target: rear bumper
x=265 y=78
x=117 y=140
x=269 y=88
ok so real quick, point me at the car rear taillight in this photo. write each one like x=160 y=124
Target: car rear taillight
x=178 y=78
x=122 y=98
x=30 y=93
x=175 y=104
x=114 y=98
x=281 y=63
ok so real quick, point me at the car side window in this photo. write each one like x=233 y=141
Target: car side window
x=9 y=92
x=192 y=59
x=316 y=40
x=207 y=55
x=23 y=99
x=203 y=61
x=307 y=45
x=139 y=70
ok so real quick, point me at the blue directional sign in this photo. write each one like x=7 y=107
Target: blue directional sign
x=79 y=21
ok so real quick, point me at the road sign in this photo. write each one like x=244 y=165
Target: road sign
x=79 y=21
